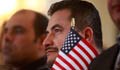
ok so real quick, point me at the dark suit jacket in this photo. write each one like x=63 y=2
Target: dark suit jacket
x=106 y=61
x=39 y=64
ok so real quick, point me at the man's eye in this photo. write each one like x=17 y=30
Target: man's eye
x=18 y=31
x=57 y=30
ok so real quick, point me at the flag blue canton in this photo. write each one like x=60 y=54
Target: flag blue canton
x=72 y=39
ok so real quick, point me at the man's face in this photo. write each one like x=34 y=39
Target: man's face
x=18 y=39
x=58 y=28
x=114 y=10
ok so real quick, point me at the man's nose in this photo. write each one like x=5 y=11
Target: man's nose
x=7 y=37
x=48 y=40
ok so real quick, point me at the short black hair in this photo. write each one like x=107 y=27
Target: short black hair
x=85 y=14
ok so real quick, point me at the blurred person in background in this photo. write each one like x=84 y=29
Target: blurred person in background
x=3 y=66
x=22 y=39
x=110 y=58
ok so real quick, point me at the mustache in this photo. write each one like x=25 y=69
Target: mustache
x=53 y=48
x=7 y=44
x=7 y=48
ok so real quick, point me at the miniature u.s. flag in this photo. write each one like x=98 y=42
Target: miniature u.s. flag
x=76 y=53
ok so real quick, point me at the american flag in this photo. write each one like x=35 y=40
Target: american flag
x=76 y=53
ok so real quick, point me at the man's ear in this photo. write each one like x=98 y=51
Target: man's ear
x=87 y=33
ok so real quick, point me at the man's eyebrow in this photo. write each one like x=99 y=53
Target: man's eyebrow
x=5 y=29
x=17 y=26
x=57 y=25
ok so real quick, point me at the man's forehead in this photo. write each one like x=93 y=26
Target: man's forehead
x=59 y=19
x=53 y=25
x=12 y=25
x=59 y=24
x=19 y=22
x=22 y=18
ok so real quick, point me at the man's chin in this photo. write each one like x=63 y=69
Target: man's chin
x=51 y=58
x=49 y=63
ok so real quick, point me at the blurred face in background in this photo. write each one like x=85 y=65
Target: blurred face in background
x=18 y=42
x=114 y=10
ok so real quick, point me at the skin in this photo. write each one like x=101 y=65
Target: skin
x=114 y=10
x=18 y=45
x=57 y=30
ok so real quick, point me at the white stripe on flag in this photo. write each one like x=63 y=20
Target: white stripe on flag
x=62 y=63
x=83 y=54
x=87 y=49
x=56 y=67
x=68 y=60
x=78 y=59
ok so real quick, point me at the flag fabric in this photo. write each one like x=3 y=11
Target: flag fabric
x=76 y=53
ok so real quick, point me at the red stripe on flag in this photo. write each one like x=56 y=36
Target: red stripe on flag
x=91 y=47
x=66 y=62
x=76 y=62
x=59 y=65
x=86 y=52
x=80 y=56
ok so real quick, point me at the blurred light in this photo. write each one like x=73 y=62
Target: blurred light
x=37 y=5
x=31 y=3
x=6 y=6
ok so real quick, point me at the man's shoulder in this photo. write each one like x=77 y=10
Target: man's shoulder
x=110 y=51
x=43 y=67
x=106 y=60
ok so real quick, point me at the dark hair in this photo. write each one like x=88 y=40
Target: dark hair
x=85 y=14
x=40 y=22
